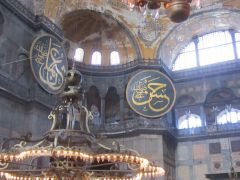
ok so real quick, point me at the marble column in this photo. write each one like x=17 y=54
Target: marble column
x=203 y=116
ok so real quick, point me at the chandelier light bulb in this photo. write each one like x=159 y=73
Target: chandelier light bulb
x=131 y=6
x=75 y=158
x=142 y=9
x=177 y=10
x=156 y=15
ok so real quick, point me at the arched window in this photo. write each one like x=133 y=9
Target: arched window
x=79 y=54
x=187 y=58
x=189 y=121
x=228 y=116
x=96 y=58
x=114 y=58
x=112 y=105
x=208 y=49
x=215 y=47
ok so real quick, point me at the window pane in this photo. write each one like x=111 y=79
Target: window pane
x=79 y=54
x=214 y=39
x=215 y=47
x=183 y=124
x=237 y=37
x=222 y=119
x=238 y=116
x=194 y=121
x=114 y=58
x=191 y=121
x=233 y=116
x=186 y=59
x=226 y=116
x=96 y=58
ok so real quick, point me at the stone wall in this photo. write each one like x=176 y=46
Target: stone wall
x=148 y=146
x=197 y=158
x=154 y=40
x=18 y=118
x=24 y=105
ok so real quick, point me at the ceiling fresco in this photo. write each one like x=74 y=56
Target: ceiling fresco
x=148 y=35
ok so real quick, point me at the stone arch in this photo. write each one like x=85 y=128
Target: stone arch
x=217 y=98
x=198 y=24
x=220 y=96
x=112 y=111
x=93 y=98
x=185 y=100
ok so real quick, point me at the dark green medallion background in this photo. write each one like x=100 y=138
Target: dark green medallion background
x=49 y=63
x=151 y=93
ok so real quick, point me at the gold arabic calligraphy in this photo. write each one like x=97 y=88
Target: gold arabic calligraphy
x=149 y=93
x=50 y=60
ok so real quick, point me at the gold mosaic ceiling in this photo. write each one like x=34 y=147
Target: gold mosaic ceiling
x=80 y=24
x=148 y=38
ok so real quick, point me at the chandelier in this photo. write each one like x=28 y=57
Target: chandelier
x=176 y=10
x=69 y=150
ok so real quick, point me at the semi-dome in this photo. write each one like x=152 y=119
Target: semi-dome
x=97 y=38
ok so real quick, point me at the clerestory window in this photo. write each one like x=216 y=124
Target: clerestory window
x=114 y=58
x=209 y=49
x=96 y=58
x=79 y=54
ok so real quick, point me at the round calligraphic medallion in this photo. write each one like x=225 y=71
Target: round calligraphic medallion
x=150 y=93
x=49 y=63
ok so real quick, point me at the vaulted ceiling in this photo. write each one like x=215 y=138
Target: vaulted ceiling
x=84 y=19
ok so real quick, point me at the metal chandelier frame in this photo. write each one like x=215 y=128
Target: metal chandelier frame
x=69 y=150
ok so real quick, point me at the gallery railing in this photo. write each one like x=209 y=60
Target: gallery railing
x=162 y=125
x=137 y=63
x=130 y=124
x=181 y=75
x=209 y=130
x=208 y=70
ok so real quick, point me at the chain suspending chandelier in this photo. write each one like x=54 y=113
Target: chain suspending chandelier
x=69 y=150
x=176 y=10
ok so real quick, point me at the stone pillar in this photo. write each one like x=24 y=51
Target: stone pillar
x=176 y=118
x=102 y=111
x=197 y=52
x=203 y=116
x=234 y=44
x=169 y=119
x=122 y=108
